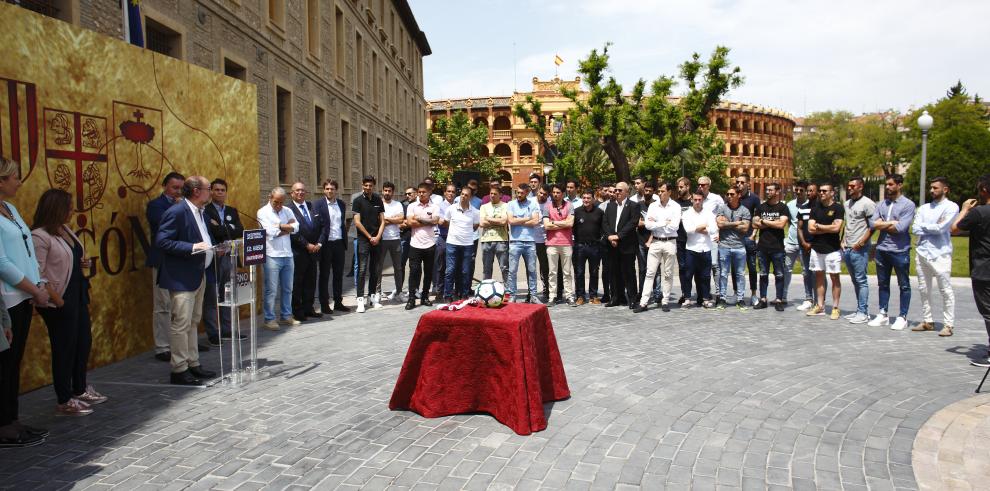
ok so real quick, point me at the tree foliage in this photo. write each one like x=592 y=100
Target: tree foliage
x=648 y=131
x=843 y=146
x=456 y=144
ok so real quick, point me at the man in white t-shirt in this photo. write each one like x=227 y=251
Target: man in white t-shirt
x=391 y=241
x=461 y=220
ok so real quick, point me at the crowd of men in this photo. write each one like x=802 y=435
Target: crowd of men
x=608 y=245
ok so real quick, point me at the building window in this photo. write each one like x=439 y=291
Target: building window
x=161 y=39
x=276 y=13
x=345 y=153
x=56 y=9
x=233 y=70
x=313 y=26
x=390 y=165
x=338 y=35
x=364 y=153
x=283 y=128
x=359 y=66
x=375 y=84
x=320 y=143
x=379 y=156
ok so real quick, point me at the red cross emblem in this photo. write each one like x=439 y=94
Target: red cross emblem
x=75 y=155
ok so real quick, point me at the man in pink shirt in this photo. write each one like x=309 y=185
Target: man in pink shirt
x=558 y=222
x=421 y=217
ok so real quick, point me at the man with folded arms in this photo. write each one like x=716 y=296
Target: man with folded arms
x=771 y=218
x=934 y=255
x=892 y=219
x=421 y=218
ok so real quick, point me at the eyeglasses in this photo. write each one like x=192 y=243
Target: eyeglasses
x=408 y=193
x=824 y=190
x=706 y=184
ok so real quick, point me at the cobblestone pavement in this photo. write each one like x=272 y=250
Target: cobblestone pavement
x=687 y=399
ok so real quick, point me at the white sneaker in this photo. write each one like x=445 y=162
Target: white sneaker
x=376 y=301
x=899 y=324
x=804 y=305
x=859 y=318
x=391 y=296
x=755 y=300
x=880 y=320
x=850 y=317
x=360 y=305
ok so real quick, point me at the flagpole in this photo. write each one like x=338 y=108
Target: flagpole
x=127 y=21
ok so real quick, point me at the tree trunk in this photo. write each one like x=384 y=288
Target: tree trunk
x=618 y=157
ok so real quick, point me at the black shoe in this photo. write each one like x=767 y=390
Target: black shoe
x=213 y=340
x=325 y=308
x=762 y=304
x=612 y=304
x=981 y=362
x=340 y=307
x=778 y=306
x=314 y=315
x=242 y=337
x=201 y=373
x=411 y=304
x=23 y=439
x=32 y=430
x=680 y=301
x=606 y=300
x=425 y=301
x=300 y=318
x=202 y=348
x=164 y=356
x=639 y=308
x=664 y=307
x=184 y=378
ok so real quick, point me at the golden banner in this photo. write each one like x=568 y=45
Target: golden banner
x=105 y=121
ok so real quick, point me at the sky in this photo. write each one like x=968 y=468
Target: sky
x=800 y=56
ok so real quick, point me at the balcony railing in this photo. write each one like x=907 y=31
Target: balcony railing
x=501 y=134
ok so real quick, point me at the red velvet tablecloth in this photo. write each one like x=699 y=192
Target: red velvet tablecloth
x=501 y=361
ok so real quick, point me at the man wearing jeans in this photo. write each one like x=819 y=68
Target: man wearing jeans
x=771 y=218
x=733 y=221
x=892 y=219
x=369 y=220
x=750 y=201
x=440 y=259
x=856 y=246
x=278 y=223
x=663 y=219
x=702 y=233
x=934 y=255
x=524 y=215
x=804 y=239
x=495 y=238
x=974 y=217
x=588 y=250
x=461 y=220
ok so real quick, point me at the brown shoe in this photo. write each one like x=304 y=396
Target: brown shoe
x=595 y=301
x=946 y=331
x=579 y=301
x=927 y=326
x=74 y=407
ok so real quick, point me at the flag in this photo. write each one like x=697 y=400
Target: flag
x=557 y=60
x=132 y=22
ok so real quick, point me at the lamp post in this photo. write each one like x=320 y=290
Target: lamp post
x=924 y=124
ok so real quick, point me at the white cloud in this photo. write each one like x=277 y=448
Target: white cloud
x=798 y=55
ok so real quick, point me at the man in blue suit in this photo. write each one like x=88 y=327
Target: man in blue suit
x=333 y=245
x=305 y=253
x=160 y=320
x=186 y=253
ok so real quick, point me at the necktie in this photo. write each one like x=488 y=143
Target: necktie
x=305 y=213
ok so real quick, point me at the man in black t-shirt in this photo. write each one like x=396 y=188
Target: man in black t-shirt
x=824 y=225
x=974 y=217
x=683 y=199
x=771 y=219
x=588 y=248
x=369 y=220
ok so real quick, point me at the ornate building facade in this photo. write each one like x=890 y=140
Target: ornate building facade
x=758 y=141
x=340 y=82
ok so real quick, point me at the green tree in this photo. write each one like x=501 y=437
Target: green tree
x=958 y=146
x=824 y=154
x=456 y=144
x=654 y=133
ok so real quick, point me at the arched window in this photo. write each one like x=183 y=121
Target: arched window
x=525 y=149
x=502 y=123
x=503 y=150
x=483 y=150
x=481 y=121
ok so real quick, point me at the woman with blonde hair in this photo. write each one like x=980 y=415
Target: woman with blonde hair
x=20 y=285
x=62 y=260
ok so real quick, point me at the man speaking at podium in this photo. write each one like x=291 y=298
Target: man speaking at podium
x=187 y=252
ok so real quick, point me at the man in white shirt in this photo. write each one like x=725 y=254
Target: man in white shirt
x=391 y=240
x=279 y=224
x=422 y=217
x=702 y=234
x=933 y=258
x=663 y=218
x=461 y=220
x=712 y=203
x=440 y=259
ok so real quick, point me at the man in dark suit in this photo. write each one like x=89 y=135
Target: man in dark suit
x=186 y=253
x=621 y=219
x=305 y=253
x=333 y=246
x=224 y=224
x=160 y=320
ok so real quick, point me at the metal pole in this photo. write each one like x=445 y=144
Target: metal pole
x=924 y=155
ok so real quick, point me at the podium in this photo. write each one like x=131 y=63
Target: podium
x=237 y=286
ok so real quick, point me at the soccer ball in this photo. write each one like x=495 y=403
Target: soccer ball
x=491 y=293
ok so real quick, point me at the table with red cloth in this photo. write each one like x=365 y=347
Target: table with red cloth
x=502 y=361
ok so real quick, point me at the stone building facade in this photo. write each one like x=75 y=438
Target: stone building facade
x=340 y=82
x=758 y=141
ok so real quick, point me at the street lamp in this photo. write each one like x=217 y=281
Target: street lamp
x=924 y=124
